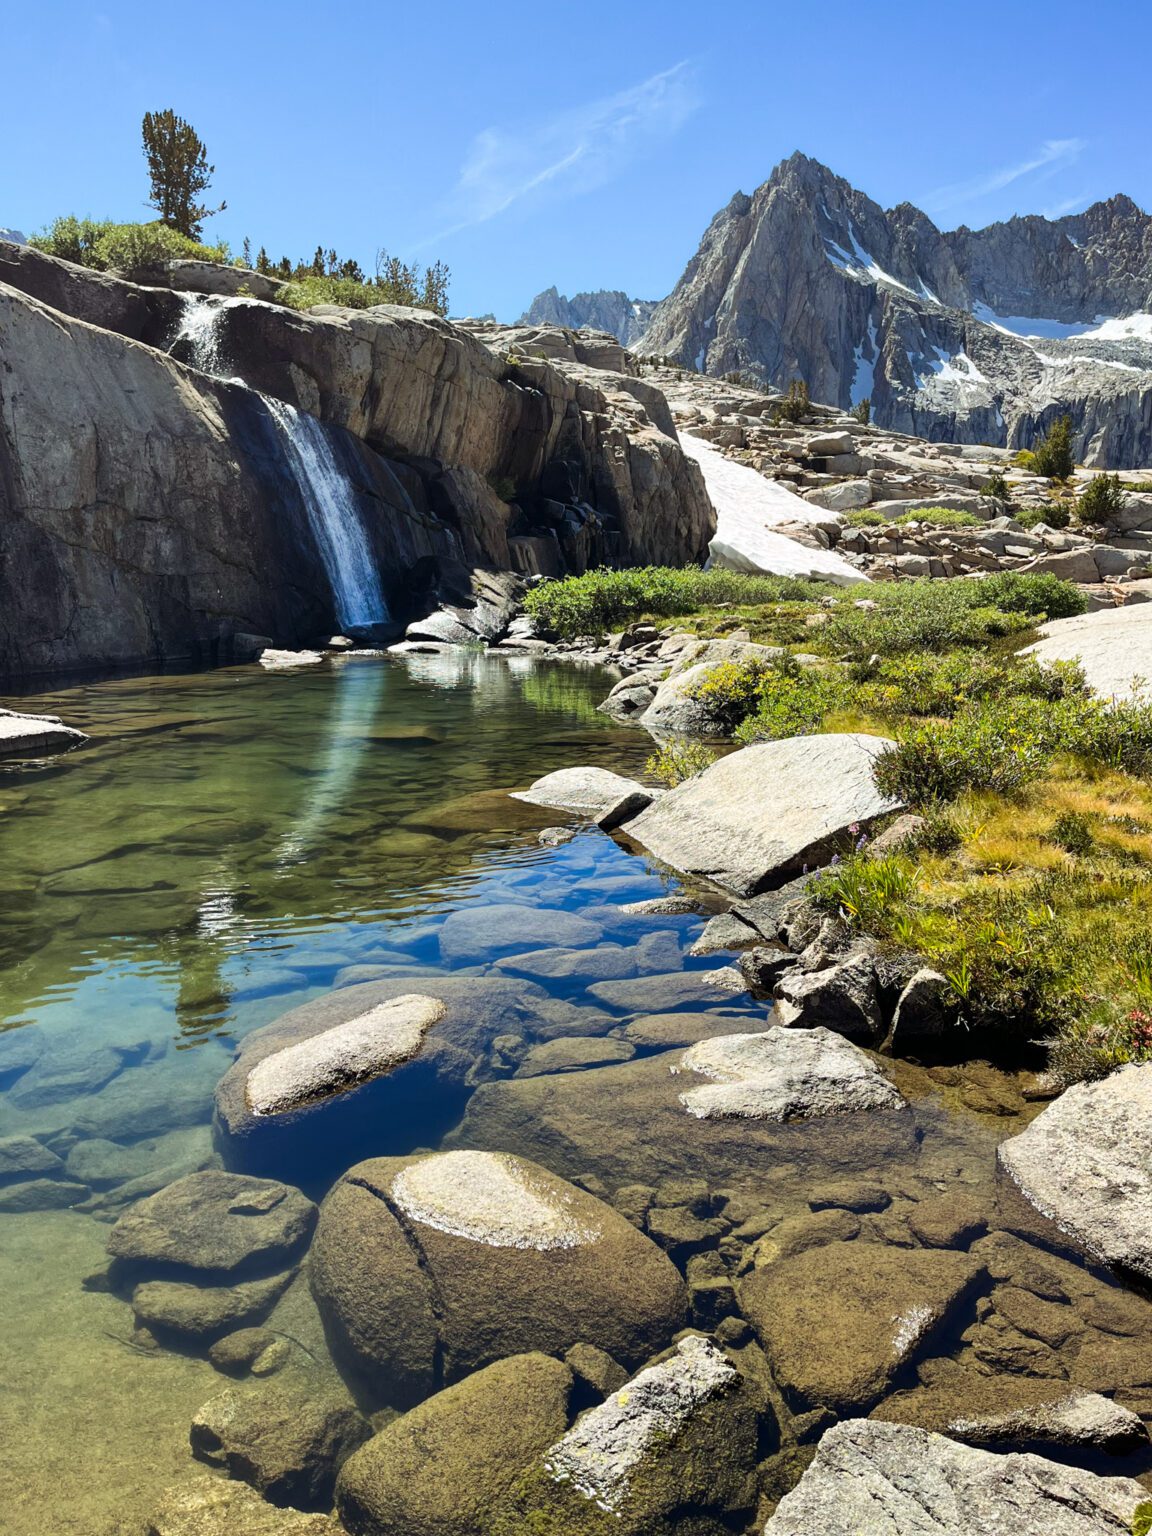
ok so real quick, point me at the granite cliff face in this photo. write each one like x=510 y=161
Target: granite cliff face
x=970 y=336
x=149 y=511
x=605 y=310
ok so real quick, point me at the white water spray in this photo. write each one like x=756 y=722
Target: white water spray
x=328 y=498
x=199 y=330
x=335 y=518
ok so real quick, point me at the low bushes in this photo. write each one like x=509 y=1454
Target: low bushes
x=128 y=248
x=679 y=760
x=1101 y=500
x=1004 y=743
x=603 y=600
x=907 y=616
x=932 y=517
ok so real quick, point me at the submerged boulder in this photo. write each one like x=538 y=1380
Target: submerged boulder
x=448 y=1466
x=222 y=1225
x=212 y=1506
x=478 y=933
x=1084 y=1170
x=761 y=814
x=902 y=1481
x=426 y=1268
x=839 y=1321
x=634 y=1123
x=672 y=1447
x=287 y=1438
x=1014 y=1410
x=379 y=1066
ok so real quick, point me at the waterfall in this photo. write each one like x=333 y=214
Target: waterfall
x=199 y=330
x=328 y=497
x=330 y=503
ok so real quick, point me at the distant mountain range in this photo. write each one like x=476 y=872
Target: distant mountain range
x=607 y=310
x=971 y=335
x=16 y=236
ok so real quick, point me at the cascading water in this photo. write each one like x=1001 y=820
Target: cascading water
x=198 y=333
x=328 y=498
x=335 y=518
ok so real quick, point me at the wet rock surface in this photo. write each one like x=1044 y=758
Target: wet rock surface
x=910 y=1482
x=1084 y=1166
x=450 y=1464
x=840 y=1321
x=427 y=1268
x=671 y=1444
x=287 y=1438
x=219 y=1224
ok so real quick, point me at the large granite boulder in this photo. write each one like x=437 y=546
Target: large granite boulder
x=1083 y=1168
x=1114 y=647
x=639 y=1122
x=376 y=1067
x=759 y=815
x=222 y=1226
x=838 y=1322
x=426 y=1268
x=900 y=1481
x=448 y=1466
x=671 y=1451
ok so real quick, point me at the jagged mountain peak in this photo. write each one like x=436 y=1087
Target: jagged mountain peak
x=978 y=335
x=607 y=309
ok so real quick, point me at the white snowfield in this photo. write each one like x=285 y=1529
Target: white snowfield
x=748 y=509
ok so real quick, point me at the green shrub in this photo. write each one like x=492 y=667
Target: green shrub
x=679 y=760
x=1052 y=455
x=1072 y=831
x=1101 y=500
x=1002 y=744
x=998 y=746
x=795 y=406
x=603 y=600
x=862 y=411
x=996 y=488
x=793 y=701
x=1054 y=516
x=917 y=616
x=938 y=835
x=864 y=517
x=921 y=683
x=1038 y=594
x=938 y=517
x=127 y=248
x=1025 y=460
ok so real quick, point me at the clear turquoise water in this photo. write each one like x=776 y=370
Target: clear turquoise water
x=226 y=847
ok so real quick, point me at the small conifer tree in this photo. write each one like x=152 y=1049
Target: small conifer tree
x=1052 y=455
x=179 y=172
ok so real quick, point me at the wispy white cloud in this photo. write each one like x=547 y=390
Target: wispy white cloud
x=574 y=151
x=1049 y=158
x=1067 y=205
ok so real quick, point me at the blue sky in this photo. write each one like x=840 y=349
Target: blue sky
x=586 y=146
